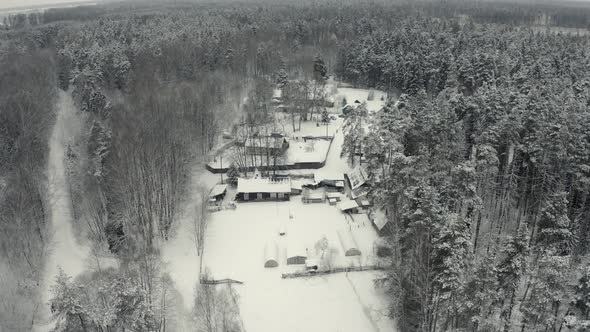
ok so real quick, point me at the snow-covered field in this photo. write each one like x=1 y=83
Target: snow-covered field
x=234 y=249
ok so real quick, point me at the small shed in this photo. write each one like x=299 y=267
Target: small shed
x=348 y=206
x=336 y=196
x=348 y=243
x=380 y=221
x=271 y=255
x=329 y=179
x=296 y=253
x=218 y=192
x=311 y=197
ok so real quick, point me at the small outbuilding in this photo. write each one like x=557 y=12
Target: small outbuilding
x=296 y=253
x=357 y=178
x=380 y=221
x=348 y=243
x=348 y=206
x=217 y=193
x=312 y=197
x=336 y=196
x=329 y=179
x=271 y=255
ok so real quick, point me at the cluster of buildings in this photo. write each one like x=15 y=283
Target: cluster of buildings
x=347 y=192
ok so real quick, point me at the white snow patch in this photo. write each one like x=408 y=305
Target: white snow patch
x=235 y=246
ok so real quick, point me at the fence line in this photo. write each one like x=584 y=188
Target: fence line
x=306 y=274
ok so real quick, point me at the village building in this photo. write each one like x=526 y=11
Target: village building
x=379 y=219
x=311 y=196
x=333 y=181
x=296 y=253
x=357 y=182
x=217 y=193
x=349 y=206
x=263 y=189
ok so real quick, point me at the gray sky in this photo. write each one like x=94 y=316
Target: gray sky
x=30 y=3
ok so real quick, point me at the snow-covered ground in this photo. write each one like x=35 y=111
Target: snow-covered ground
x=234 y=249
x=308 y=151
x=179 y=254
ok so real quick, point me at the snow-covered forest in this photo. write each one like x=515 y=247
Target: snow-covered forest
x=470 y=121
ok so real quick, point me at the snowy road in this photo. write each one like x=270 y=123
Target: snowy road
x=64 y=251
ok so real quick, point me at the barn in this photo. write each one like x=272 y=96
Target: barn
x=263 y=189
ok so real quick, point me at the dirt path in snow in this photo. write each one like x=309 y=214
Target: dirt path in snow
x=64 y=251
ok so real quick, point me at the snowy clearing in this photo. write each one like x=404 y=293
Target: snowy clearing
x=235 y=249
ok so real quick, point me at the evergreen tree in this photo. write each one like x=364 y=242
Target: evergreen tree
x=232 y=174
x=320 y=71
x=510 y=270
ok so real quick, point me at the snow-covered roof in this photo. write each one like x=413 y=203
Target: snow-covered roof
x=357 y=177
x=218 y=190
x=323 y=175
x=358 y=192
x=264 y=186
x=333 y=195
x=315 y=196
x=379 y=219
x=347 y=205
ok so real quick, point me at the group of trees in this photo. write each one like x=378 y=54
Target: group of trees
x=483 y=165
x=27 y=92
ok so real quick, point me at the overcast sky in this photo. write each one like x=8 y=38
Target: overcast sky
x=30 y=3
